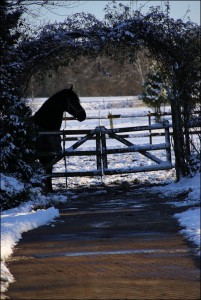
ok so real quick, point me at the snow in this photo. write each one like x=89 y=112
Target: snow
x=16 y=221
x=190 y=218
x=13 y=223
x=27 y=216
x=11 y=184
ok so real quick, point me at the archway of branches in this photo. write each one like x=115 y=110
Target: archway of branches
x=171 y=43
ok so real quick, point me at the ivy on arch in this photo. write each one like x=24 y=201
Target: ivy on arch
x=173 y=43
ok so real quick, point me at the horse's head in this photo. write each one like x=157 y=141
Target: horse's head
x=72 y=105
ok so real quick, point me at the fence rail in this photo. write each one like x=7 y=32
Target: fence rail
x=151 y=119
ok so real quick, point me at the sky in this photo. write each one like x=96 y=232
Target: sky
x=178 y=9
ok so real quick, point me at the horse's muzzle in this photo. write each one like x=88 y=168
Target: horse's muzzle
x=81 y=116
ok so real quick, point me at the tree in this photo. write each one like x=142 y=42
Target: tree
x=156 y=89
x=17 y=134
x=176 y=46
x=16 y=137
x=103 y=77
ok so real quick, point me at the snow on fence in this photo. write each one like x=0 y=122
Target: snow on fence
x=151 y=118
x=101 y=150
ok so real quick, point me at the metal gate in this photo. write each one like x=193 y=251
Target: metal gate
x=100 y=134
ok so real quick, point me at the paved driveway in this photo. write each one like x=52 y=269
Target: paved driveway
x=123 y=244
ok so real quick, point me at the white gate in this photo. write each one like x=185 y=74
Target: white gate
x=101 y=134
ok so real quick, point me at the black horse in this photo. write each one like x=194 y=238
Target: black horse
x=49 y=118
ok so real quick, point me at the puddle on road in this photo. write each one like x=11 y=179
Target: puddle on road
x=97 y=234
x=115 y=252
x=100 y=225
x=72 y=208
x=67 y=212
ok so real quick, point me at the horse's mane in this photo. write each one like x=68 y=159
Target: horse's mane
x=49 y=115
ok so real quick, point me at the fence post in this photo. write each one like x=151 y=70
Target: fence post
x=111 y=120
x=104 y=149
x=150 y=137
x=98 y=151
x=167 y=140
x=64 y=146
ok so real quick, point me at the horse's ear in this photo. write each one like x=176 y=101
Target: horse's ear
x=71 y=88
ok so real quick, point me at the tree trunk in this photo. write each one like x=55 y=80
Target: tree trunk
x=178 y=137
x=186 y=121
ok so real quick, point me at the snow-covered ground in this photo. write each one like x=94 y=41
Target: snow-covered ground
x=26 y=217
x=189 y=219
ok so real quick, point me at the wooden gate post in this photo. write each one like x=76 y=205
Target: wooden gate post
x=98 y=151
x=150 y=136
x=167 y=140
x=65 y=164
x=104 y=151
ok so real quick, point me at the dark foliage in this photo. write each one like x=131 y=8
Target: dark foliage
x=16 y=134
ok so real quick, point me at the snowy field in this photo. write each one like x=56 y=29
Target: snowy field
x=132 y=113
x=24 y=218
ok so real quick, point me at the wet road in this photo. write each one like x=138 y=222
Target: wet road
x=107 y=245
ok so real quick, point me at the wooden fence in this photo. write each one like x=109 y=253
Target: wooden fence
x=101 y=150
x=152 y=118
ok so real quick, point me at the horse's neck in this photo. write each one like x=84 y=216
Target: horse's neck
x=49 y=117
x=57 y=120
